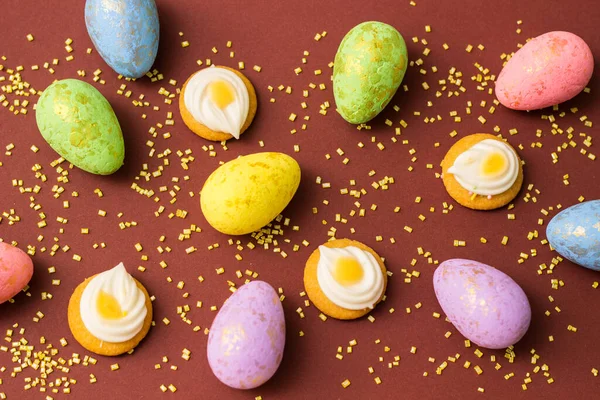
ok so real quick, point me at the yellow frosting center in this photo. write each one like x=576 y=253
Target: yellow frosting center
x=108 y=306
x=493 y=165
x=221 y=93
x=348 y=271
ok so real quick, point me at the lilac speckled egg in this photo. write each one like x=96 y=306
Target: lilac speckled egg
x=16 y=270
x=483 y=303
x=247 y=337
x=547 y=70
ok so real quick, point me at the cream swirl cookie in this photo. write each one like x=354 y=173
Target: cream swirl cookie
x=110 y=313
x=218 y=103
x=349 y=277
x=345 y=279
x=112 y=307
x=488 y=168
x=482 y=172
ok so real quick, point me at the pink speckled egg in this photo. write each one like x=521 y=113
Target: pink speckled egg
x=16 y=270
x=483 y=303
x=247 y=337
x=547 y=70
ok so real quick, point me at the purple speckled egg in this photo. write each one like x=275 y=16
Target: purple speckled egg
x=483 y=303
x=247 y=337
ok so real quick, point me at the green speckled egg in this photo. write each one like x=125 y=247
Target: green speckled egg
x=368 y=69
x=80 y=125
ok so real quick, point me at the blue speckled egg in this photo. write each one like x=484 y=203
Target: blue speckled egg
x=125 y=33
x=575 y=234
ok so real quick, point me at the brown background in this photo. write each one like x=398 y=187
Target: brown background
x=273 y=34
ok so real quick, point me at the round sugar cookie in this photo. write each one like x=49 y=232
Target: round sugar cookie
x=316 y=295
x=462 y=195
x=203 y=131
x=92 y=343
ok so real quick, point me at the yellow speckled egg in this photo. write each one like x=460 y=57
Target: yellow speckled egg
x=245 y=194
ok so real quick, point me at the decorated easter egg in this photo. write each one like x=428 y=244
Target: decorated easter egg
x=547 y=70
x=575 y=234
x=368 y=69
x=16 y=270
x=247 y=193
x=125 y=33
x=484 y=304
x=247 y=337
x=80 y=125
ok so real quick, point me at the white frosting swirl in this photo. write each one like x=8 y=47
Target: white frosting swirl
x=115 y=282
x=363 y=294
x=198 y=101
x=468 y=168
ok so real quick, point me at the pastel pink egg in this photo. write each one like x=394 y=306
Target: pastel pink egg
x=549 y=69
x=484 y=304
x=247 y=337
x=16 y=270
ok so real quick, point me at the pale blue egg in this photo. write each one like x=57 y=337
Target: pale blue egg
x=125 y=33
x=575 y=234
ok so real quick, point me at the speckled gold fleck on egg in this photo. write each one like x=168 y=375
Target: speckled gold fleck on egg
x=79 y=124
x=368 y=69
x=247 y=337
